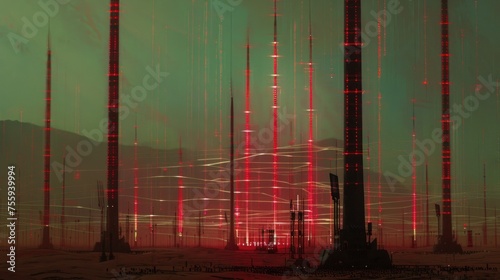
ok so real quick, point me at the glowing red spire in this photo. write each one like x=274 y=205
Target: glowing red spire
x=379 y=124
x=46 y=242
x=427 y=235
x=445 y=122
x=310 y=158
x=136 y=185
x=414 y=181
x=180 y=192
x=247 y=137
x=485 y=226
x=113 y=117
x=368 y=182
x=275 y=117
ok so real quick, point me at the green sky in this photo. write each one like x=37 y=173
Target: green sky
x=192 y=43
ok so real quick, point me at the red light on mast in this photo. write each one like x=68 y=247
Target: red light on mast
x=310 y=142
x=247 y=138
x=136 y=186
x=445 y=123
x=113 y=118
x=46 y=242
x=180 y=193
x=275 y=118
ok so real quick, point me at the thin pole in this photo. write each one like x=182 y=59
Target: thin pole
x=63 y=217
x=485 y=226
x=46 y=240
x=427 y=204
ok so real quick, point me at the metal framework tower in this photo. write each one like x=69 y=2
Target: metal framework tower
x=355 y=250
x=46 y=240
x=354 y=207
x=445 y=123
x=113 y=107
x=446 y=243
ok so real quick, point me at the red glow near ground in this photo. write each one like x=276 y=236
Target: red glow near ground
x=247 y=139
x=275 y=118
x=180 y=191
x=310 y=167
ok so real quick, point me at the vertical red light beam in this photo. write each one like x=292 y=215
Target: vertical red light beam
x=445 y=123
x=379 y=45
x=231 y=244
x=113 y=106
x=496 y=235
x=221 y=45
x=136 y=184
x=385 y=30
x=46 y=240
x=310 y=141
x=63 y=206
x=427 y=235
x=368 y=182
x=379 y=122
x=425 y=82
x=414 y=180
x=247 y=136
x=205 y=94
x=275 y=118
x=180 y=193
x=485 y=226
x=379 y=159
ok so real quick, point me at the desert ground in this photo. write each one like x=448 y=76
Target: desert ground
x=205 y=263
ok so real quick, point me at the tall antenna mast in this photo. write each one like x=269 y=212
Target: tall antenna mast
x=101 y=205
x=63 y=235
x=247 y=135
x=231 y=244
x=113 y=118
x=485 y=226
x=446 y=244
x=414 y=180
x=136 y=184
x=427 y=236
x=180 y=210
x=310 y=167
x=354 y=206
x=275 y=119
x=46 y=240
